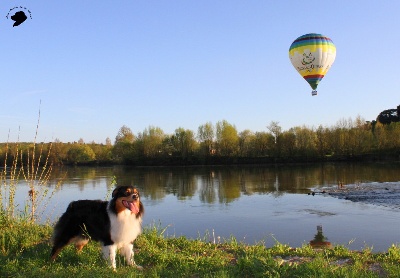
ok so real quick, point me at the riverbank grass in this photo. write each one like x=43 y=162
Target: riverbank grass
x=25 y=248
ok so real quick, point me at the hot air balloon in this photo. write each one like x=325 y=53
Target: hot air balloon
x=312 y=55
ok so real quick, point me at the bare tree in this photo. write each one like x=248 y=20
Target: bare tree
x=275 y=129
x=206 y=136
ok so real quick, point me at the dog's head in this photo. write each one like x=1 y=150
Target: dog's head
x=126 y=198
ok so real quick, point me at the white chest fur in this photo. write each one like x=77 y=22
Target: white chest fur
x=125 y=227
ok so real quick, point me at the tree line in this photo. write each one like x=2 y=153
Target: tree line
x=222 y=143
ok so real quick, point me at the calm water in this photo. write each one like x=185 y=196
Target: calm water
x=253 y=203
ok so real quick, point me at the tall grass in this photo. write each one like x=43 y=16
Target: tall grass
x=31 y=168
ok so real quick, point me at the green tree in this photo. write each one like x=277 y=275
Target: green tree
x=124 y=135
x=322 y=141
x=341 y=140
x=361 y=136
x=227 y=138
x=288 y=141
x=123 y=150
x=263 y=143
x=183 y=142
x=58 y=154
x=151 y=142
x=246 y=137
x=394 y=133
x=206 y=137
x=79 y=153
x=387 y=136
x=305 y=141
x=102 y=152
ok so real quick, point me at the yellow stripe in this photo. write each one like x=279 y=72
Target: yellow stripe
x=313 y=48
x=321 y=71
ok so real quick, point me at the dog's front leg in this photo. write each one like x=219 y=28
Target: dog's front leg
x=127 y=251
x=109 y=253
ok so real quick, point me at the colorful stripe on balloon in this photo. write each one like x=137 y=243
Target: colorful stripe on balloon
x=312 y=42
x=313 y=80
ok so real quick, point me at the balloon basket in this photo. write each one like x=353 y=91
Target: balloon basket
x=314 y=93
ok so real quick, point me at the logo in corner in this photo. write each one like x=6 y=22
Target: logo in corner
x=19 y=15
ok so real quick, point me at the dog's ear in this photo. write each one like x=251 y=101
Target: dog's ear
x=115 y=191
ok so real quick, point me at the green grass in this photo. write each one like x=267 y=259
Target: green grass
x=25 y=249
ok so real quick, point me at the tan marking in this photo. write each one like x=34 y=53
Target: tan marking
x=119 y=207
x=80 y=244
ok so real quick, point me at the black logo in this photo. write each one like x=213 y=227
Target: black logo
x=18 y=15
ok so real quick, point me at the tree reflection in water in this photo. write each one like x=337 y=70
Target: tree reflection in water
x=250 y=202
x=225 y=184
x=320 y=241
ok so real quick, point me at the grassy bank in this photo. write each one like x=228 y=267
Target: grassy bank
x=25 y=248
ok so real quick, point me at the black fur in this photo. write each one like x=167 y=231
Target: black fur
x=87 y=219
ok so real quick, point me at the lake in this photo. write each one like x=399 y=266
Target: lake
x=251 y=203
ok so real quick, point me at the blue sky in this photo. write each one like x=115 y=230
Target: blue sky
x=98 y=65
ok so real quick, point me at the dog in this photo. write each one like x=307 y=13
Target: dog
x=115 y=224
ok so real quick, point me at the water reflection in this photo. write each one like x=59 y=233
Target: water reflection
x=80 y=177
x=320 y=241
x=227 y=184
x=249 y=202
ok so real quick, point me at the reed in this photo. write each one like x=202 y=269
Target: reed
x=31 y=168
x=9 y=178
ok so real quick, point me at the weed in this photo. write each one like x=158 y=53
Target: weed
x=30 y=166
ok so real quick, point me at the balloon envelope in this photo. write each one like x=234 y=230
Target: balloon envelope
x=312 y=55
